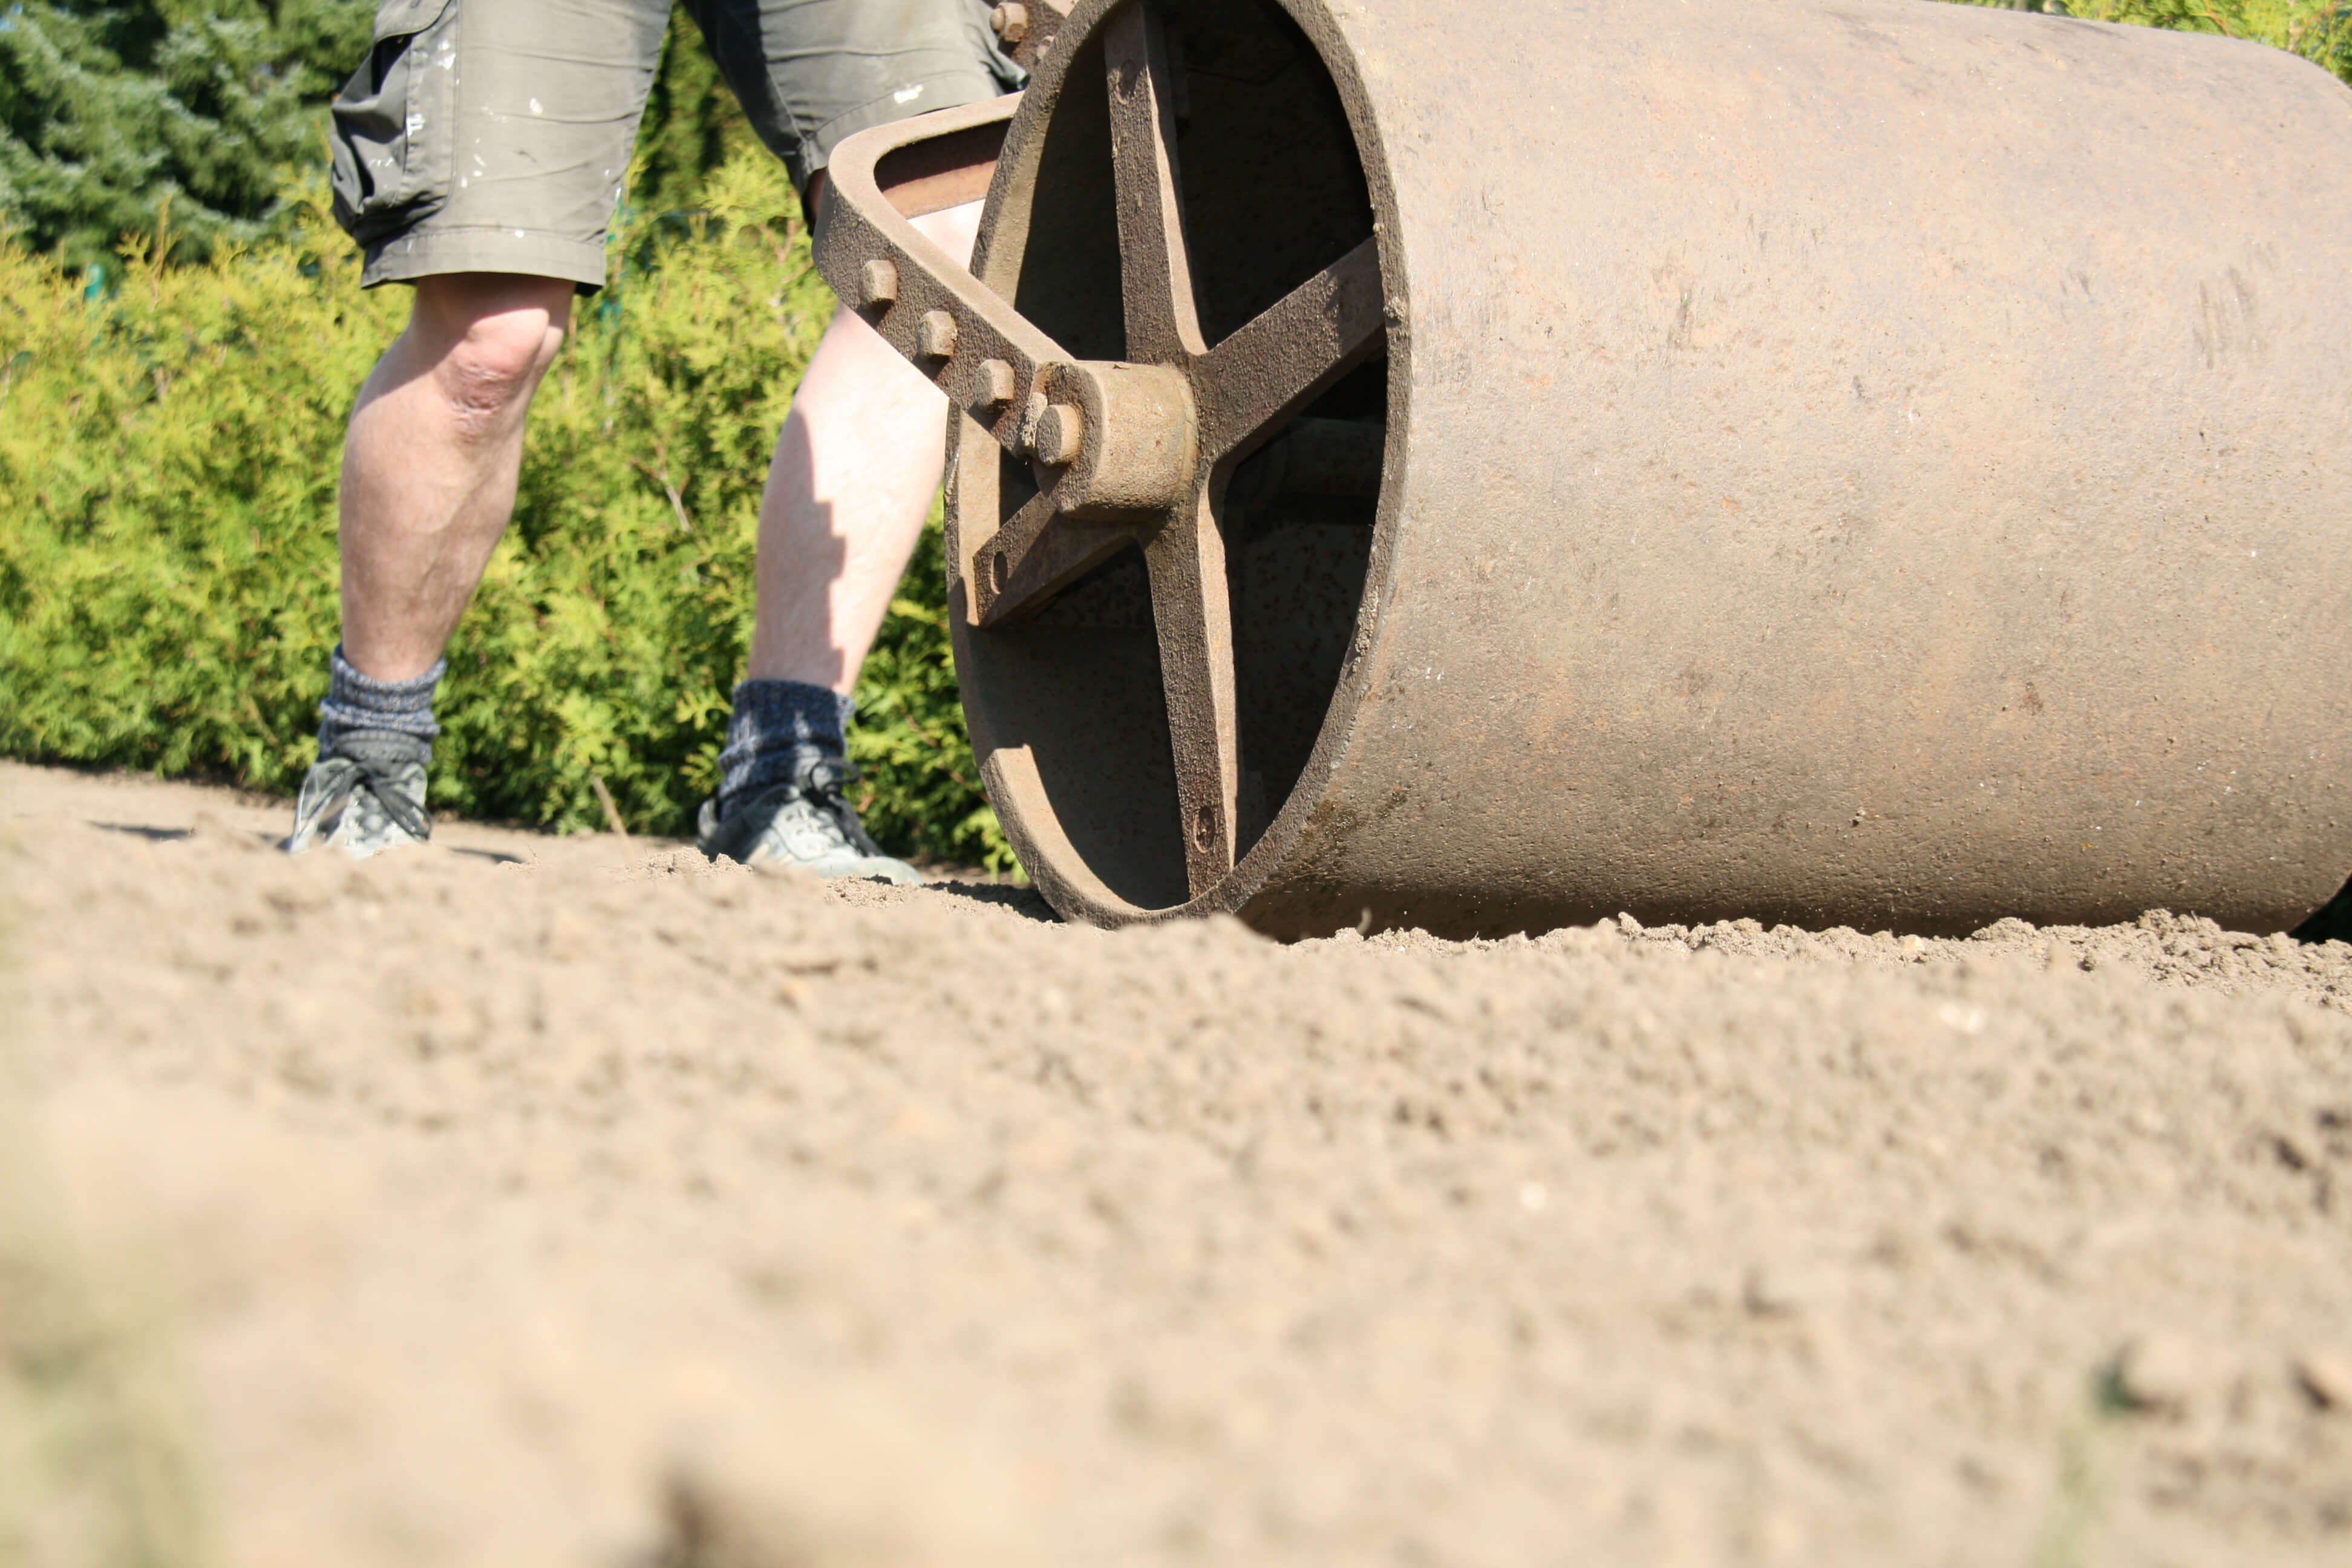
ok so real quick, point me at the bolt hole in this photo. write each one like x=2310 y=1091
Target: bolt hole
x=1205 y=829
x=998 y=572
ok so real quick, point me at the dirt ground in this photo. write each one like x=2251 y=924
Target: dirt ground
x=534 y=1201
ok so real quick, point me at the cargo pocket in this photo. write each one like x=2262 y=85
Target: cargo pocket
x=393 y=145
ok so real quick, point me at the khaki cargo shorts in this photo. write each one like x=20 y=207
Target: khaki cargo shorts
x=494 y=135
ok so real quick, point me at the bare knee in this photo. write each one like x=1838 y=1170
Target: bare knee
x=488 y=339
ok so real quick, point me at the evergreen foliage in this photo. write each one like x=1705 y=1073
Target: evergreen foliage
x=168 y=457
x=112 y=109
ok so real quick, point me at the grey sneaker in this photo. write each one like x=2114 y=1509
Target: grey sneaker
x=365 y=798
x=804 y=823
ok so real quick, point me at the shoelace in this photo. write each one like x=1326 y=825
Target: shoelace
x=820 y=784
x=343 y=776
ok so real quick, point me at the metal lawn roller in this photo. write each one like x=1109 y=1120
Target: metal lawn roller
x=1482 y=468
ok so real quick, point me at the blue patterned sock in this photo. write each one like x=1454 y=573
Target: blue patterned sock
x=776 y=725
x=356 y=701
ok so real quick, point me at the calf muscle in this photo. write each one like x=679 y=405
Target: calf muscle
x=431 y=460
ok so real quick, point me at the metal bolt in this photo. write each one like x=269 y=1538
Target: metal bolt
x=935 y=335
x=1012 y=24
x=877 y=284
x=996 y=382
x=1061 y=435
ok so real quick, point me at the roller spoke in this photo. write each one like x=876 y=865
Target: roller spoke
x=1242 y=394
x=1033 y=556
x=1186 y=560
x=1272 y=367
x=1162 y=327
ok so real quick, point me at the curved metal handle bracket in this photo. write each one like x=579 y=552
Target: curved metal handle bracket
x=975 y=345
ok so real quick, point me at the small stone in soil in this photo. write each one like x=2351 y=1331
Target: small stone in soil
x=2327 y=1379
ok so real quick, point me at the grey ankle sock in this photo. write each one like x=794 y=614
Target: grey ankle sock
x=357 y=703
x=775 y=727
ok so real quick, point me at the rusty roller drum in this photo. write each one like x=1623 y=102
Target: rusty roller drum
x=1883 y=463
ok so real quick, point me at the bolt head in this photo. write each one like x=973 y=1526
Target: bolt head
x=1061 y=435
x=935 y=335
x=996 y=382
x=877 y=284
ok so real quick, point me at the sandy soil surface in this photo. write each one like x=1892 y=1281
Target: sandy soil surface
x=572 y=1202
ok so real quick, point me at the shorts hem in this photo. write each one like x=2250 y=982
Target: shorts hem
x=436 y=252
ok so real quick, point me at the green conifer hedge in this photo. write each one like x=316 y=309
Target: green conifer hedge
x=108 y=109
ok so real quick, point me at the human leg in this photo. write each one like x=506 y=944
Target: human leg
x=858 y=460
x=478 y=152
x=479 y=158
x=430 y=462
x=856 y=466
x=856 y=470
